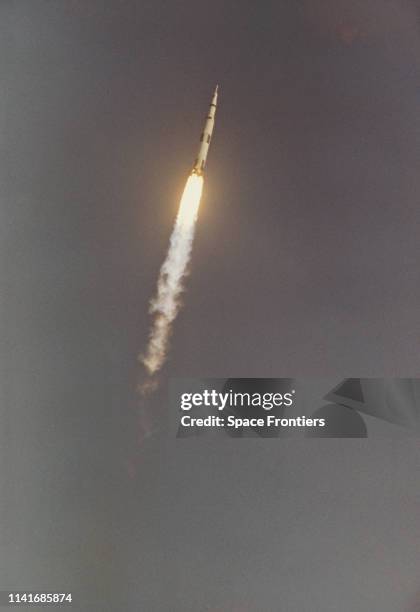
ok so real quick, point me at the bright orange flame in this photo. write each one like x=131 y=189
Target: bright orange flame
x=190 y=201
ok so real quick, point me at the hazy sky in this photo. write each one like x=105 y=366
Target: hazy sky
x=305 y=263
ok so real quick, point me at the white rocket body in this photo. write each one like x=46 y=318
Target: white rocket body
x=205 y=139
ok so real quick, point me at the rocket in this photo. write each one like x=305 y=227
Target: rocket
x=205 y=139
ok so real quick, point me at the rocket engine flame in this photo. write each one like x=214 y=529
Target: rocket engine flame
x=165 y=306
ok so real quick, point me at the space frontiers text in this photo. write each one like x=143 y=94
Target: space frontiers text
x=231 y=401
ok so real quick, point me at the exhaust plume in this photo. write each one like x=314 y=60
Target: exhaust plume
x=165 y=306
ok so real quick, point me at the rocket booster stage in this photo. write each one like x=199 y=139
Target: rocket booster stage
x=205 y=139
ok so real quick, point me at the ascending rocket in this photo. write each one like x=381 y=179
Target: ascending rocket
x=205 y=139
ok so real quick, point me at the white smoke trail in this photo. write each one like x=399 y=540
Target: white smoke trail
x=166 y=304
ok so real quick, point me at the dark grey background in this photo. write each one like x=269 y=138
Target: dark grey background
x=305 y=264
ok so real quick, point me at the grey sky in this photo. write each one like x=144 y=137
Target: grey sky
x=305 y=264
